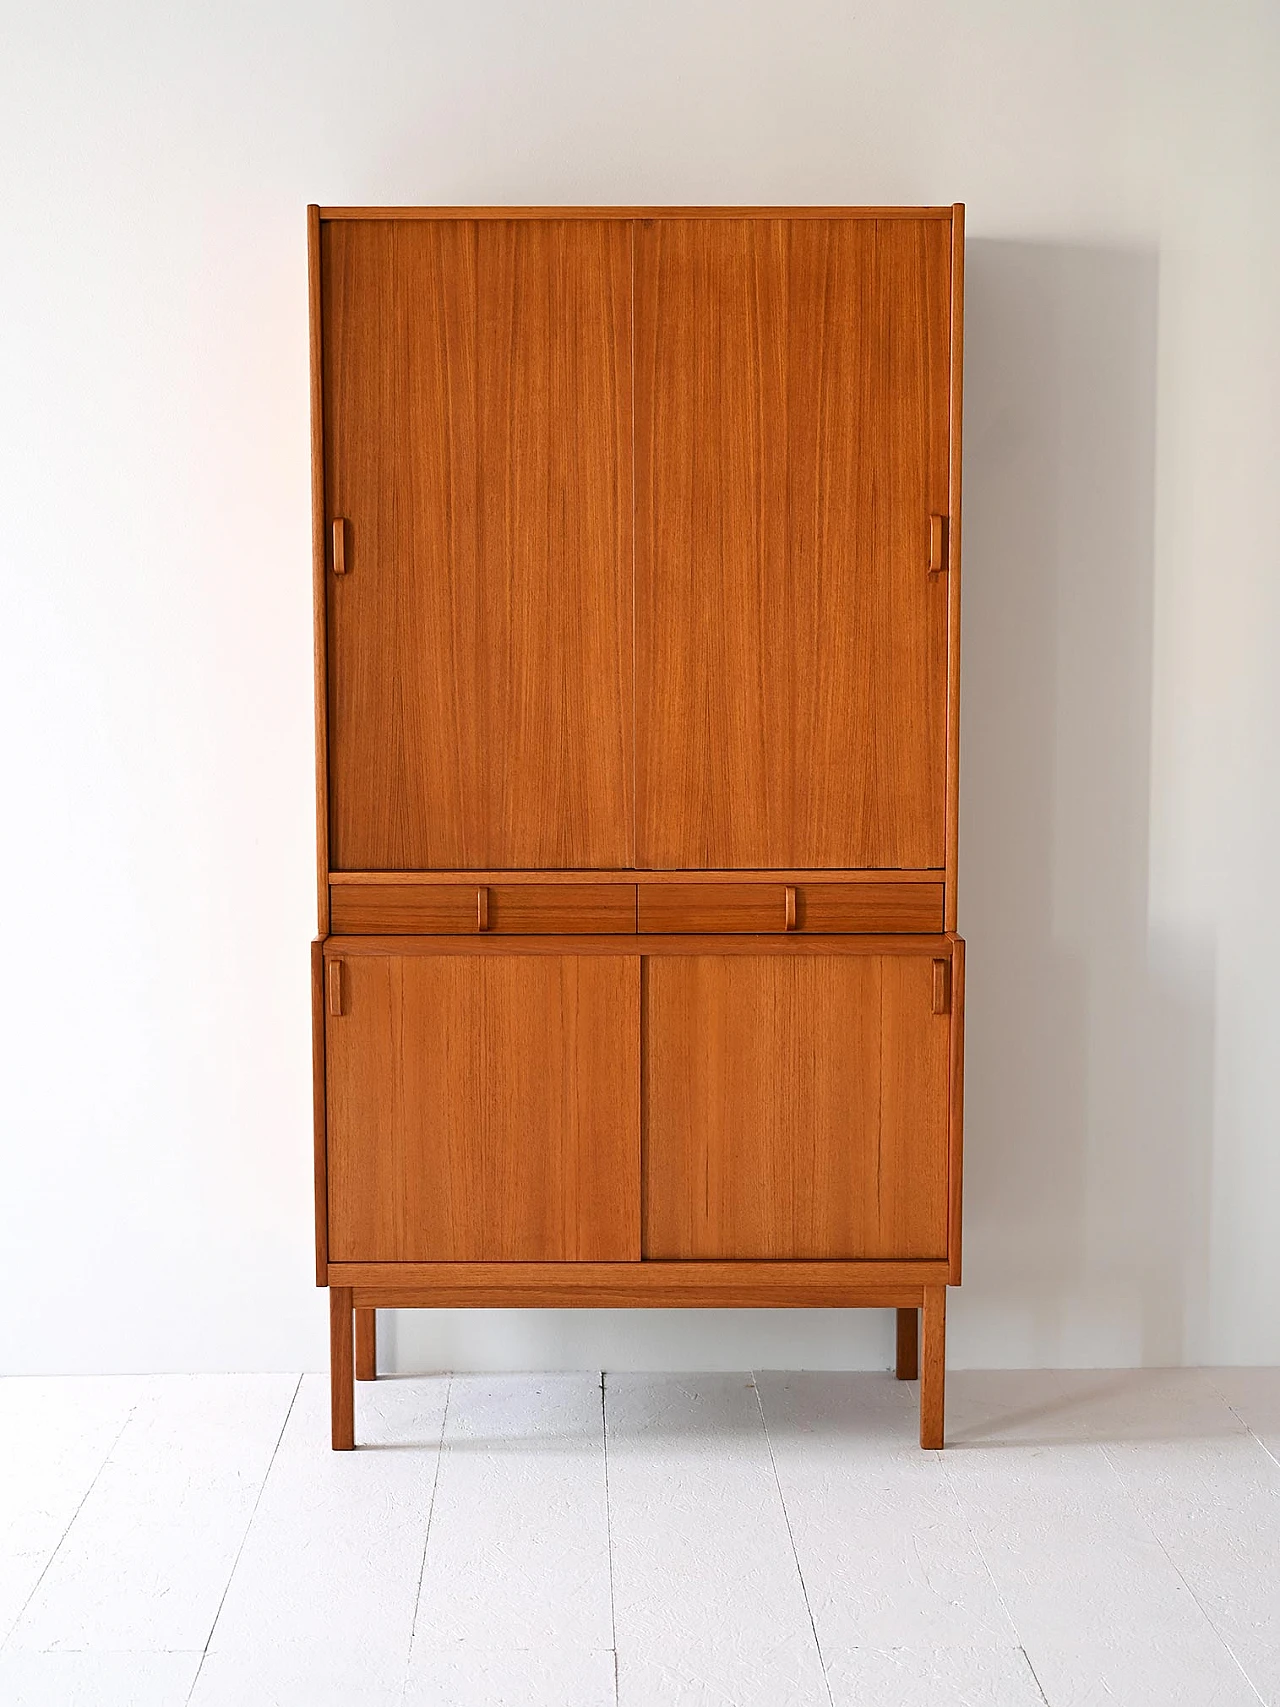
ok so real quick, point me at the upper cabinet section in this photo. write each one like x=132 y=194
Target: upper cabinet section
x=639 y=533
x=792 y=408
x=477 y=426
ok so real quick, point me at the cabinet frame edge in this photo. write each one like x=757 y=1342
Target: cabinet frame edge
x=951 y=836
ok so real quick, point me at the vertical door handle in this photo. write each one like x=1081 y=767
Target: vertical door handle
x=789 y=908
x=942 y=986
x=482 y=909
x=339 y=546
x=335 y=988
x=937 y=544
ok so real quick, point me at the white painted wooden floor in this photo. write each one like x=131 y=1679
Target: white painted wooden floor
x=718 y=1541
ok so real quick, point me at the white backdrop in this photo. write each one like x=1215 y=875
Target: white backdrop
x=1119 y=160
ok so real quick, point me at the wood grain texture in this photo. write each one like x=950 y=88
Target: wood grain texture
x=795 y=1107
x=791 y=441
x=933 y=1368
x=712 y=907
x=366 y=1345
x=853 y=1276
x=640 y=1285
x=342 y=1396
x=628 y=213
x=341 y=878
x=794 y=945
x=956 y=407
x=907 y=1360
x=477 y=403
x=955 y=1158
x=414 y=908
x=485 y=1108
x=319 y=591
x=318 y=1114
x=761 y=906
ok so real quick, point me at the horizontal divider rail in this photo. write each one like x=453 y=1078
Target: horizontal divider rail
x=785 y=943
x=587 y=1285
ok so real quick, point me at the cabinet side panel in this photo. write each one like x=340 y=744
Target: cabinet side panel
x=318 y=571
x=318 y=1113
x=953 y=564
x=956 y=1158
x=477 y=443
x=792 y=395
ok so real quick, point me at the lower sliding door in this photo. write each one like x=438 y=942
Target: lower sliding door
x=482 y=1107
x=797 y=1104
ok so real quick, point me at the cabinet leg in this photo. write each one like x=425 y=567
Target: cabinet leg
x=366 y=1345
x=342 y=1391
x=933 y=1369
x=908 y=1345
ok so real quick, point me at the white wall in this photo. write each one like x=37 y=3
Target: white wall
x=1119 y=160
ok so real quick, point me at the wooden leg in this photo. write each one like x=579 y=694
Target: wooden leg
x=908 y=1345
x=342 y=1390
x=933 y=1371
x=366 y=1345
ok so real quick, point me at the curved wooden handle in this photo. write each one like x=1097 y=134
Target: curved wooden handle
x=937 y=544
x=482 y=909
x=789 y=905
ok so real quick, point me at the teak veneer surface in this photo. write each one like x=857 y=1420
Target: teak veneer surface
x=913 y=907
x=477 y=400
x=484 y=1108
x=678 y=1285
x=470 y=908
x=791 y=443
x=795 y=1106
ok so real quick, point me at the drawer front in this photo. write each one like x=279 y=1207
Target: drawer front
x=712 y=907
x=448 y=909
x=875 y=907
x=758 y=907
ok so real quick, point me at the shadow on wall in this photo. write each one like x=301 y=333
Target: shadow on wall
x=1090 y=1045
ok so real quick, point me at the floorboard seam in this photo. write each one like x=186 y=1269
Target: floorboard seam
x=1243 y=1421
x=608 y=1533
x=960 y=1505
x=426 y=1539
x=1199 y=1604
x=786 y=1518
x=226 y=1587
x=1034 y=1675
x=35 y=1587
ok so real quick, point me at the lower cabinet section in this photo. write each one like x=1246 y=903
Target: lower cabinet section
x=733 y=1099
x=795 y=1106
x=483 y=1107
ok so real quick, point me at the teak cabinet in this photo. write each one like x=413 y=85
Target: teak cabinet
x=637 y=642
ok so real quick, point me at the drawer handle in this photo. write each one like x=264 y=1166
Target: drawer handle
x=482 y=909
x=335 y=988
x=942 y=986
x=339 y=547
x=789 y=907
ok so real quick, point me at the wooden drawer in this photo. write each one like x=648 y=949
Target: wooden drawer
x=766 y=906
x=447 y=909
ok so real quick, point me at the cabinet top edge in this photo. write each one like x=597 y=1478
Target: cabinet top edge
x=621 y=213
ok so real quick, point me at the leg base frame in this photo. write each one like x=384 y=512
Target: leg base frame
x=921 y=1354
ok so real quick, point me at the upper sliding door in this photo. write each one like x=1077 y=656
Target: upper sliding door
x=477 y=424
x=791 y=427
